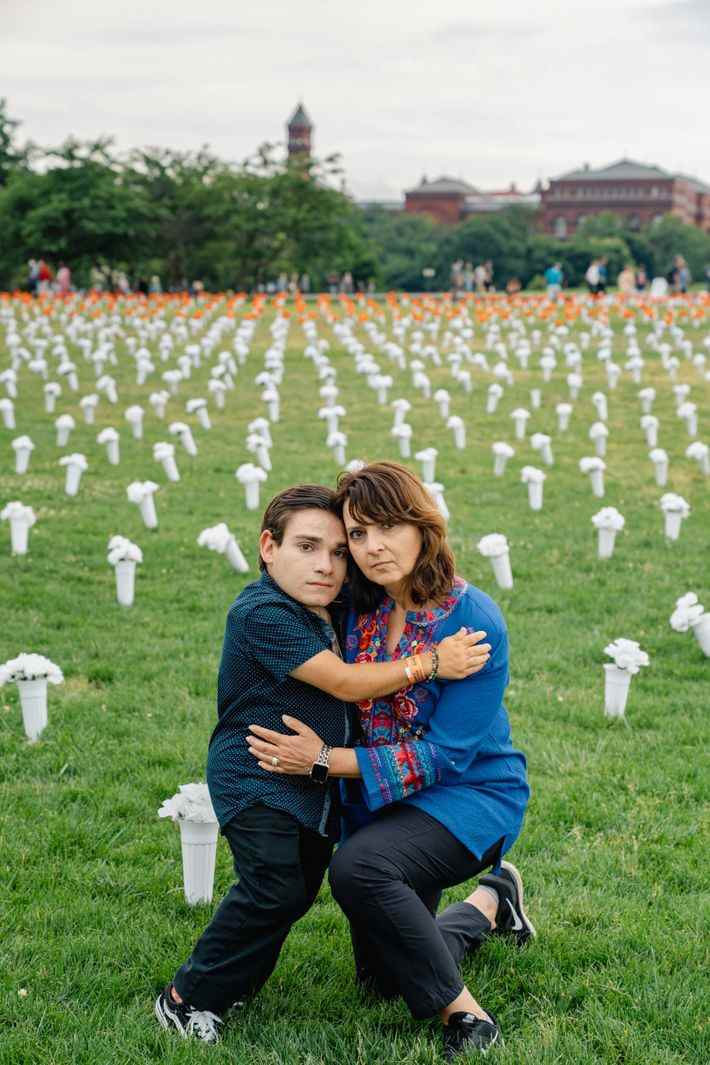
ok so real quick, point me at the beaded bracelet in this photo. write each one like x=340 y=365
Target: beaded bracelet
x=435 y=666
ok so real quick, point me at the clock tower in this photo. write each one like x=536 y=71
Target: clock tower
x=299 y=129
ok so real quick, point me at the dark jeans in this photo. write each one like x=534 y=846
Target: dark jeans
x=280 y=865
x=388 y=879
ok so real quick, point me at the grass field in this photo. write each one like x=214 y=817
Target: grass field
x=93 y=917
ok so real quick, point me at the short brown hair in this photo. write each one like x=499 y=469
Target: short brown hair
x=284 y=505
x=388 y=492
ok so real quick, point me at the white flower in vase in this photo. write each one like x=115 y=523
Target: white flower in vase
x=64 y=425
x=218 y=390
x=21 y=519
x=459 y=429
x=76 y=464
x=436 y=491
x=574 y=383
x=270 y=397
x=184 y=434
x=142 y=492
x=442 y=400
x=647 y=396
x=191 y=808
x=608 y=521
x=9 y=380
x=172 y=379
x=23 y=448
x=257 y=445
x=598 y=434
x=164 y=453
x=329 y=394
x=501 y=453
x=88 y=406
x=628 y=659
x=403 y=435
x=31 y=673
x=250 y=476
x=495 y=547
x=110 y=438
x=649 y=425
x=198 y=407
x=158 y=401
x=701 y=454
x=594 y=466
x=337 y=442
x=123 y=556
x=613 y=372
x=535 y=398
x=401 y=407
x=107 y=385
x=134 y=417
x=331 y=416
x=261 y=426
x=563 y=411
x=7 y=411
x=675 y=510
x=218 y=538
x=659 y=458
x=689 y=414
x=534 y=479
x=495 y=391
x=427 y=458
x=541 y=442
x=690 y=614
x=520 y=417
x=600 y=402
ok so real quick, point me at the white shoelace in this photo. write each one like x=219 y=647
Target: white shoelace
x=204 y=1023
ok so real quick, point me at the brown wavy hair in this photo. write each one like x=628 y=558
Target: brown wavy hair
x=388 y=492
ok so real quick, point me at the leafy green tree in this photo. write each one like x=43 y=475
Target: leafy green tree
x=403 y=245
x=503 y=238
x=12 y=157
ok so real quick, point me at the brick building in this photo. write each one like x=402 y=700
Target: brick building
x=300 y=133
x=451 y=200
x=634 y=191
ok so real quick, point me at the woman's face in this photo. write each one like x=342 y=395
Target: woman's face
x=386 y=554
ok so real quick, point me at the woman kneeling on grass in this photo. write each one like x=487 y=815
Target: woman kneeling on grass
x=435 y=793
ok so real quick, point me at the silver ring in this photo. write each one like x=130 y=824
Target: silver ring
x=274 y=761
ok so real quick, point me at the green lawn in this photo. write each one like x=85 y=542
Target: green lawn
x=93 y=916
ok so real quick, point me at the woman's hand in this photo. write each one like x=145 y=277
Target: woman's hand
x=461 y=655
x=294 y=754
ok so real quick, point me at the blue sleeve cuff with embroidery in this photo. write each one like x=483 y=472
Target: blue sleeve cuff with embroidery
x=393 y=771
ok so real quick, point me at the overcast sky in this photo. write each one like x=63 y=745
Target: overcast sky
x=509 y=90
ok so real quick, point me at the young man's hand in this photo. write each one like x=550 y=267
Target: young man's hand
x=293 y=754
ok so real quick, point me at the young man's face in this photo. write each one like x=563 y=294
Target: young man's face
x=310 y=563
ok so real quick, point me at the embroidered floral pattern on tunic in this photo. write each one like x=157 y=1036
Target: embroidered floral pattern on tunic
x=402 y=761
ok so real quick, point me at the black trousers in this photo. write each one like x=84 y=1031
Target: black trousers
x=388 y=878
x=280 y=865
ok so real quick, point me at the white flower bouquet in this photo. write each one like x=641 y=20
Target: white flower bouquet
x=218 y=538
x=191 y=808
x=31 y=673
x=609 y=522
x=690 y=614
x=495 y=547
x=628 y=659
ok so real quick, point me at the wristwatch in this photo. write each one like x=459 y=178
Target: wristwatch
x=319 y=769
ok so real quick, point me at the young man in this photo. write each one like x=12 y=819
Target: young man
x=280 y=658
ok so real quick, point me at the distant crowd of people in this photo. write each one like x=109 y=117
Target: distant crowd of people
x=631 y=279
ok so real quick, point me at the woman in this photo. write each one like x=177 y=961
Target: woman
x=443 y=790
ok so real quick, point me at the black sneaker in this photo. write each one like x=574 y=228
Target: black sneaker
x=200 y=1024
x=511 y=918
x=466 y=1032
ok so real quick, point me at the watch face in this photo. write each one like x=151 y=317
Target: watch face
x=319 y=773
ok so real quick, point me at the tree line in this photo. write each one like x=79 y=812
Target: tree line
x=189 y=215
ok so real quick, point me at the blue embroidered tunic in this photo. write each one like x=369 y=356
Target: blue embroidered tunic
x=445 y=746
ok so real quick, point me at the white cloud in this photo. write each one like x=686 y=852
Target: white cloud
x=495 y=95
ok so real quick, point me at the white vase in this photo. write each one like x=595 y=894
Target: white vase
x=62 y=435
x=22 y=459
x=563 y=420
x=170 y=467
x=33 y=699
x=148 y=512
x=137 y=429
x=252 y=495
x=598 y=482
x=405 y=447
x=113 y=453
x=616 y=690
x=607 y=539
x=661 y=471
x=499 y=463
x=199 y=855
x=672 y=522
x=19 y=535
x=235 y=557
x=701 y=631
x=428 y=467
x=125 y=581
x=535 y=398
x=535 y=495
x=460 y=437
x=502 y=571
x=339 y=454
x=73 y=480
x=203 y=417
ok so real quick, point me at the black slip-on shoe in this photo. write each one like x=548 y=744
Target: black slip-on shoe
x=186 y=1020
x=511 y=918
x=466 y=1032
